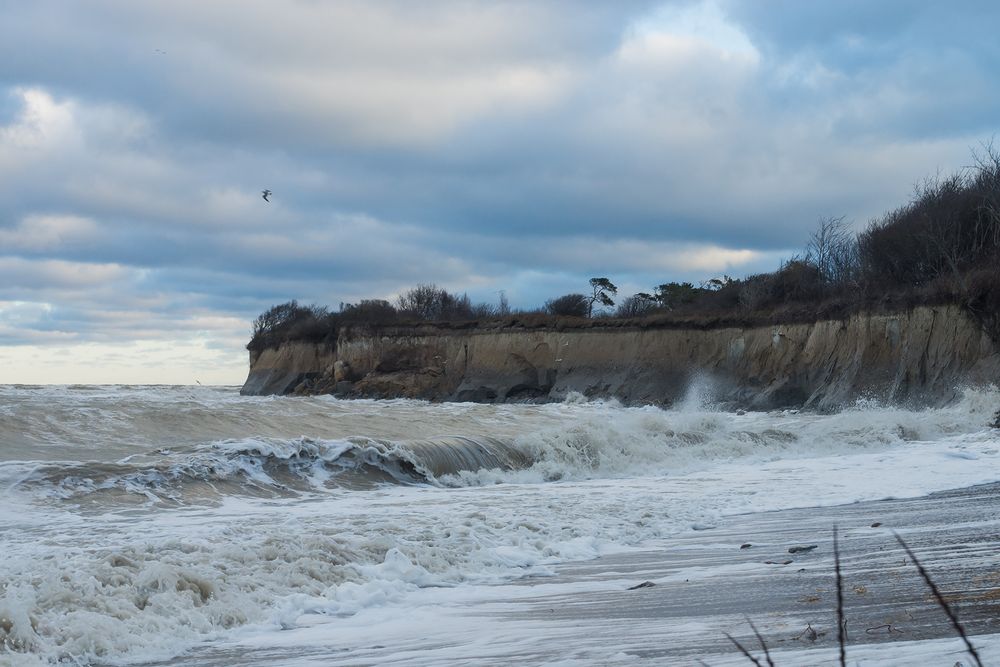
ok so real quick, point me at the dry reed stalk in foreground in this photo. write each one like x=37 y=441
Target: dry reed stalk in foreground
x=970 y=649
x=842 y=623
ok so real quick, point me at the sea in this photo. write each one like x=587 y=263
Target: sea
x=190 y=525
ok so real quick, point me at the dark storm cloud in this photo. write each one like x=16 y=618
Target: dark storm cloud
x=521 y=146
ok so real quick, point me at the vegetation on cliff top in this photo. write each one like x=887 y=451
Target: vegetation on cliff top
x=942 y=247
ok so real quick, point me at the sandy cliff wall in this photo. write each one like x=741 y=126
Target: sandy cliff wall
x=281 y=370
x=921 y=356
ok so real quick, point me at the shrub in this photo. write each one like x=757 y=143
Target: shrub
x=570 y=305
x=368 y=311
x=290 y=321
x=431 y=303
x=672 y=295
x=636 y=305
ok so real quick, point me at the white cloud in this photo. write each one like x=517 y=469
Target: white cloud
x=17 y=272
x=43 y=123
x=48 y=233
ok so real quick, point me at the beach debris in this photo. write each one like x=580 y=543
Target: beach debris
x=876 y=524
x=887 y=627
x=745 y=545
x=778 y=562
x=645 y=584
x=702 y=526
x=802 y=550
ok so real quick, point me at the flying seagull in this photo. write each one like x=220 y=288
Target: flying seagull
x=265 y=194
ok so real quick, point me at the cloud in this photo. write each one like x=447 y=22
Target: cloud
x=47 y=233
x=518 y=146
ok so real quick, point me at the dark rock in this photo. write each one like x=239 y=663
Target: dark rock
x=480 y=394
x=746 y=545
x=645 y=584
x=522 y=392
x=343 y=387
x=777 y=562
x=876 y=524
x=802 y=550
x=273 y=381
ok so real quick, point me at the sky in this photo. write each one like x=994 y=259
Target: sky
x=520 y=146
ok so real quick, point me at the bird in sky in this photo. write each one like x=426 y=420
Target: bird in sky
x=265 y=194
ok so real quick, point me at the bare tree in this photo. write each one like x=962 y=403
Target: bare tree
x=503 y=308
x=987 y=183
x=833 y=250
x=430 y=302
x=636 y=305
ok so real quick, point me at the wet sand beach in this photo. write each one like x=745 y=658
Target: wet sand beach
x=705 y=584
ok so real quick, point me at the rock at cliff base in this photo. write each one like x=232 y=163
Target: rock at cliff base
x=341 y=371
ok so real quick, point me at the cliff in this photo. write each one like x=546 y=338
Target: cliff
x=922 y=356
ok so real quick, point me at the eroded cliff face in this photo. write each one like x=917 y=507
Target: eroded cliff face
x=281 y=370
x=922 y=356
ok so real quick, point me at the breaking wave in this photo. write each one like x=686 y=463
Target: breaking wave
x=119 y=559
x=265 y=467
x=570 y=442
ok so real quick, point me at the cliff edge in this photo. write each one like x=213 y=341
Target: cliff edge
x=922 y=356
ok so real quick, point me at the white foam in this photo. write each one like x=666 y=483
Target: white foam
x=119 y=584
